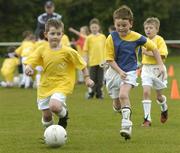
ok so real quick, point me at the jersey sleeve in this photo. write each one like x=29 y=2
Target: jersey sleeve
x=150 y=45
x=35 y=58
x=109 y=49
x=76 y=59
x=161 y=45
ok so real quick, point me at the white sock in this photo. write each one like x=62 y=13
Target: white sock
x=38 y=77
x=147 y=109
x=63 y=112
x=27 y=81
x=163 y=105
x=47 y=124
x=126 y=113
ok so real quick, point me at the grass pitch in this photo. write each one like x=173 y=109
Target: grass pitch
x=93 y=126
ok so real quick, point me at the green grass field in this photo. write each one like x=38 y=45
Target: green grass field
x=93 y=126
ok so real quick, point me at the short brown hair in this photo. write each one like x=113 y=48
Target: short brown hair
x=28 y=35
x=153 y=20
x=123 y=12
x=54 y=23
x=94 y=21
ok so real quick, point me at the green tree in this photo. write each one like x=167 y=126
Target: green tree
x=17 y=16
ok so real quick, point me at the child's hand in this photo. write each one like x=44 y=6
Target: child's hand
x=123 y=75
x=162 y=72
x=89 y=82
x=29 y=70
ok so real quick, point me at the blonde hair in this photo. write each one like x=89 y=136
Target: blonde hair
x=153 y=20
x=54 y=23
x=123 y=12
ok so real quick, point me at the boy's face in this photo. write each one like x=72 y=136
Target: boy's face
x=150 y=30
x=122 y=26
x=49 y=10
x=94 y=28
x=83 y=31
x=54 y=36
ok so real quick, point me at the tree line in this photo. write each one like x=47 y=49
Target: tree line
x=17 y=16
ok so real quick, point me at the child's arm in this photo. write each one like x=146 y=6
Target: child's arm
x=88 y=81
x=76 y=32
x=114 y=65
x=148 y=53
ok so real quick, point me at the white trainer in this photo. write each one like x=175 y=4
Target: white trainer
x=126 y=129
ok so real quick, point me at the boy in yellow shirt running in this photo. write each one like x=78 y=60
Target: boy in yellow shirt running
x=150 y=73
x=58 y=78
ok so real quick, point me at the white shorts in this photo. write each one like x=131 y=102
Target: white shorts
x=44 y=103
x=114 y=81
x=150 y=77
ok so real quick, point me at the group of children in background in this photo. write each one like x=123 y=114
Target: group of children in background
x=119 y=50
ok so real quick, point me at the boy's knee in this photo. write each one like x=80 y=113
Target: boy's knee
x=146 y=94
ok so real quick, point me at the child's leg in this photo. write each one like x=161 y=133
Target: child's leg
x=22 y=83
x=57 y=105
x=80 y=76
x=162 y=101
x=27 y=81
x=126 y=124
x=116 y=105
x=43 y=105
x=39 y=70
x=47 y=118
x=92 y=72
x=147 y=105
x=99 y=76
x=38 y=77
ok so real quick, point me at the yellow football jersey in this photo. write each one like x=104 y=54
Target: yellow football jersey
x=26 y=48
x=162 y=48
x=65 y=40
x=131 y=37
x=94 y=46
x=39 y=43
x=59 y=69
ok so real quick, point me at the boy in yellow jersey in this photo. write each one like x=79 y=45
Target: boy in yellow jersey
x=23 y=51
x=150 y=73
x=9 y=67
x=58 y=78
x=121 y=56
x=94 y=46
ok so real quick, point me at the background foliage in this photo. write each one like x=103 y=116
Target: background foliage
x=17 y=16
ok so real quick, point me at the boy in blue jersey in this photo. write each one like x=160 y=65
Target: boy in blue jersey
x=121 y=56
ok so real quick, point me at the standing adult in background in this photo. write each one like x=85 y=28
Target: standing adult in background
x=42 y=18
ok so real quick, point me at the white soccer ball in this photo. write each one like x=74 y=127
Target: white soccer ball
x=55 y=136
